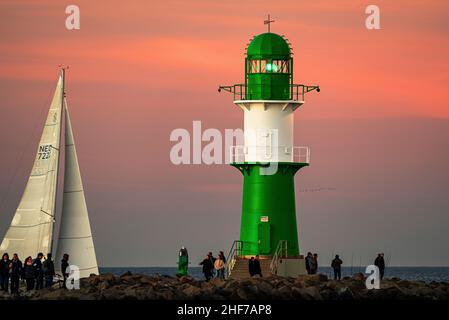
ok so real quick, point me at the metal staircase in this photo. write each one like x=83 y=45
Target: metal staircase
x=281 y=252
x=237 y=261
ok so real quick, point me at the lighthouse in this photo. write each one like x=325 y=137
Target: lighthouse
x=268 y=159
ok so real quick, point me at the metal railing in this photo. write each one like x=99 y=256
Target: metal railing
x=234 y=252
x=297 y=91
x=281 y=252
x=241 y=154
x=239 y=248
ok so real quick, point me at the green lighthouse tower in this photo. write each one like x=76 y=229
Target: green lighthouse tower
x=269 y=160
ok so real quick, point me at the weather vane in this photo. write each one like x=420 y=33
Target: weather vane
x=268 y=21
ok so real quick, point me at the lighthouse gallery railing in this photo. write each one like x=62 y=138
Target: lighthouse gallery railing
x=241 y=154
x=297 y=91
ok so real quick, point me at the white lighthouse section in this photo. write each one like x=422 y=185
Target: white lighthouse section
x=75 y=236
x=268 y=127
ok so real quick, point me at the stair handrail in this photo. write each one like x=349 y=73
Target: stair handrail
x=234 y=252
x=279 y=253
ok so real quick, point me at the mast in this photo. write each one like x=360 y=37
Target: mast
x=59 y=157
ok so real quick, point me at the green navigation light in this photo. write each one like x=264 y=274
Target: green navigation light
x=272 y=67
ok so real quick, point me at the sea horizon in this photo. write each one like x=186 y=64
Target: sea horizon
x=411 y=273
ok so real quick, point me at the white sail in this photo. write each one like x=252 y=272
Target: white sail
x=31 y=229
x=75 y=237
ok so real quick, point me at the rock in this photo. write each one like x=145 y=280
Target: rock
x=310 y=293
x=395 y=279
x=358 y=276
x=309 y=287
x=246 y=293
x=192 y=291
x=185 y=279
x=310 y=280
x=217 y=282
x=165 y=295
x=127 y=273
x=265 y=288
x=344 y=293
x=331 y=284
x=285 y=293
x=103 y=286
x=224 y=293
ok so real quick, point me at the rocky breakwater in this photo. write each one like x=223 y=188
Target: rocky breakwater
x=311 y=287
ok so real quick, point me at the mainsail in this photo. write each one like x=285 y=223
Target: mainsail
x=31 y=229
x=75 y=237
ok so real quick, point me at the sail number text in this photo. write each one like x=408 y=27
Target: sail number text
x=44 y=152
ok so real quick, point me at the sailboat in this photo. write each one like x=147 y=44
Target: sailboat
x=32 y=227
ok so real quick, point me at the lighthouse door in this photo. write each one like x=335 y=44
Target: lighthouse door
x=264 y=237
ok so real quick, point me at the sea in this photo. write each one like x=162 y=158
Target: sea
x=426 y=274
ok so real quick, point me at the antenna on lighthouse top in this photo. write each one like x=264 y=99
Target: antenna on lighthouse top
x=268 y=22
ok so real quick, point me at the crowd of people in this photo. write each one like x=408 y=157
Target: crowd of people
x=37 y=273
x=214 y=266
x=312 y=265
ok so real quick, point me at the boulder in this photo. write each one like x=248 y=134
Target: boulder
x=358 y=277
x=185 y=279
x=191 y=291
x=309 y=293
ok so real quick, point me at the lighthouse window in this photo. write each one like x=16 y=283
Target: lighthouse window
x=268 y=66
x=254 y=66
x=263 y=64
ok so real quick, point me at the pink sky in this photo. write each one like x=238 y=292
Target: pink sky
x=140 y=69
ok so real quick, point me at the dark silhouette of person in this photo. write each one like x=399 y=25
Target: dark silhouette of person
x=49 y=271
x=309 y=262
x=251 y=266
x=28 y=273
x=16 y=272
x=314 y=264
x=64 y=266
x=4 y=272
x=212 y=260
x=208 y=266
x=336 y=265
x=380 y=263
x=256 y=266
x=37 y=265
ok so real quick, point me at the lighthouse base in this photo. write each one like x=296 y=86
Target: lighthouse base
x=291 y=267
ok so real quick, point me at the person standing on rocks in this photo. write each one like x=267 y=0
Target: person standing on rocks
x=212 y=260
x=208 y=266
x=4 y=272
x=314 y=264
x=251 y=266
x=28 y=273
x=16 y=272
x=37 y=265
x=219 y=267
x=336 y=265
x=380 y=263
x=49 y=271
x=222 y=256
x=257 y=269
x=309 y=262
x=64 y=266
